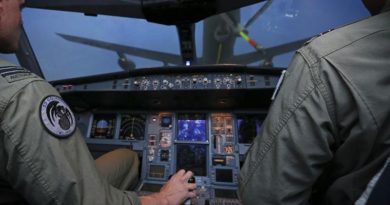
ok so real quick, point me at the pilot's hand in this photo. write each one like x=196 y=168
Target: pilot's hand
x=174 y=192
x=177 y=189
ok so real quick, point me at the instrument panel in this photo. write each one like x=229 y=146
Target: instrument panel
x=199 y=119
x=210 y=144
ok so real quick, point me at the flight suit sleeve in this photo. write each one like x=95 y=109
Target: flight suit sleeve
x=294 y=144
x=46 y=169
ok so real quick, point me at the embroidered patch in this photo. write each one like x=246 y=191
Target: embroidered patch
x=57 y=117
x=13 y=73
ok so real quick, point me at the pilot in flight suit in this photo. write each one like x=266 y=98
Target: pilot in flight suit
x=41 y=149
x=43 y=156
x=328 y=130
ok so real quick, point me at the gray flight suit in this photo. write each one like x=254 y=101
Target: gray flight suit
x=41 y=165
x=327 y=132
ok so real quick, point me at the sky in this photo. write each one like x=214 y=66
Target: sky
x=284 y=21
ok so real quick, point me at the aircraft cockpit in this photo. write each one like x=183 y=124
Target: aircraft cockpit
x=186 y=91
x=197 y=119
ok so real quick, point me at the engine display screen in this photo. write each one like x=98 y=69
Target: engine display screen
x=192 y=157
x=191 y=128
x=249 y=127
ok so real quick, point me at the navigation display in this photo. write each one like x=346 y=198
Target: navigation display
x=249 y=127
x=192 y=157
x=191 y=128
x=132 y=127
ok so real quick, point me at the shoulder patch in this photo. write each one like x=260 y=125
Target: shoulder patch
x=14 y=73
x=57 y=117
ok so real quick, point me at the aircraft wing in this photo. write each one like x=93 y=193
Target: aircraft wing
x=255 y=56
x=144 y=53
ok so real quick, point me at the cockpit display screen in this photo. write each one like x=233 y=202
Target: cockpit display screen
x=224 y=175
x=191 y=128
x=249 y=127
x=192 y=157
x=156 y=171
x=132 y=127
x=103 y=126
x=166 y=121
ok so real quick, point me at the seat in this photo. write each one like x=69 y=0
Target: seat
x=380 y=194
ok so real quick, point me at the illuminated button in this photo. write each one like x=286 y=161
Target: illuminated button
x=239 y=80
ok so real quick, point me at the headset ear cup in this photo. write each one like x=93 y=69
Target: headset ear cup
x=375 y=7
